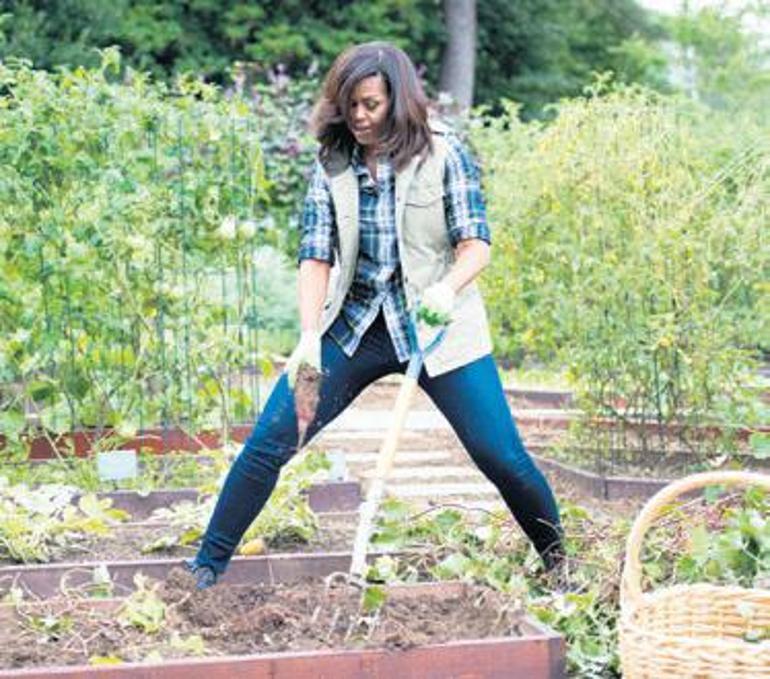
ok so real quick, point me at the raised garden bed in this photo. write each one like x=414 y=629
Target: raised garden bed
x=330 y=496
x=629 y=474
x=601 y=486
x=154 y=440
x=160 y=440
x=598 y=486
x=127 y=542
x=306 y=630
x=522 y=397
x=49 y=580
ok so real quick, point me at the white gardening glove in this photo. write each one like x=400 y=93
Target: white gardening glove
x=307 y=351
x=437 y=303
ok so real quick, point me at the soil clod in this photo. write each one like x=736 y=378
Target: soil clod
x=307 y=389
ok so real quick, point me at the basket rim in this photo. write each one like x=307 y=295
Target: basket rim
x=697 y=587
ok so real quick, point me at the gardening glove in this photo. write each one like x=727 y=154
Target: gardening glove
x=307 y=351
x=437 y=303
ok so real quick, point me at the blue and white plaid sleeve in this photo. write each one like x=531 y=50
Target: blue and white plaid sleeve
x=466 y=214
x=319 y=227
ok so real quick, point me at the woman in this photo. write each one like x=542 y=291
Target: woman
x=394 y=215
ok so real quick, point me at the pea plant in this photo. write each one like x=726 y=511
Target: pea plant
x=633 y=249
x=127 y=206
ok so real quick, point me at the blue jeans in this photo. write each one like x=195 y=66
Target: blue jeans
x=472 y=400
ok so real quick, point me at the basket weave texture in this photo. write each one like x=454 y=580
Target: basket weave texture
x=697 y=630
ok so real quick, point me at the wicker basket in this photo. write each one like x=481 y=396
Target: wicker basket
x=690 y=630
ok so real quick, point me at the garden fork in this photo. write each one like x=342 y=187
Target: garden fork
x=388 y=450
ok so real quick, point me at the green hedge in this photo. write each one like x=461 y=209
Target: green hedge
x=631 y=244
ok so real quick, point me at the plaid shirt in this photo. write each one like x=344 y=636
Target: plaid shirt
x=377 y=281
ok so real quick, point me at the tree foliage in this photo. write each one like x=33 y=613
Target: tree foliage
x=534 y=51
x=537 y=51
x=720 y=59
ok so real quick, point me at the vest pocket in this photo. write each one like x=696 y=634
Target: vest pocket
x=424 y=195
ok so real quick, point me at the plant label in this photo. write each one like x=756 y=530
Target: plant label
x=117 y=465
x=338 y=471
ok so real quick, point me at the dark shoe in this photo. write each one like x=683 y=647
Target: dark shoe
x=205 y=576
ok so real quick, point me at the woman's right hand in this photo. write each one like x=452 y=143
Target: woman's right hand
x=308 y=350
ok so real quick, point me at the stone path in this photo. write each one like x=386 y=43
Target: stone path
x=431 y=464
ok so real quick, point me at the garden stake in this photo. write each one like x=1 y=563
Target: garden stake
x=388 y=450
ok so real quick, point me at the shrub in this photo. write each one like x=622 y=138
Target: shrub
x=631 y=244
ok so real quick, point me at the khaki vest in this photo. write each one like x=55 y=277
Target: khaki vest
x=425 y=249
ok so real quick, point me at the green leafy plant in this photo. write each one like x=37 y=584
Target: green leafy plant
x=143 y=609
x=192 y=644
x=633 y=252
x=287 y=516
x=104 y=660
x=760 y=445
x=121 y=199
x=373 y=599
x=36 y=523
x=722 y=538
x=179 y=469
x=450 y=543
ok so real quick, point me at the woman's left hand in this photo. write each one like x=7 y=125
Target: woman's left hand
x=437 y=303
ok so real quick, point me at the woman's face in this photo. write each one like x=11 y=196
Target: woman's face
x=368 y=109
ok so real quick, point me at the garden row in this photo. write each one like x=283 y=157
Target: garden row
x=274 y=614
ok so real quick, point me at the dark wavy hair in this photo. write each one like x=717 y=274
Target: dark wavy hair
x=405 y=132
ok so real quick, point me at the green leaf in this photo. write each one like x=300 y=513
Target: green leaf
x=373 y=599
x=39 y=390
x=56 y=418
x=713 y=493
x=143 y=609
x=389 y=538
x=384 y=569
x=190 y=645
x=448 y=518
x=52 y=624
x=453 y=566
x=393 y=509
x=104 y=660
x=760 y=445
x=653 y=570
x=160 y=544
x=126 y=428
x=12 y=423
x=700 y=543
x=190 y=535
x=432 y=318
x=91 y=505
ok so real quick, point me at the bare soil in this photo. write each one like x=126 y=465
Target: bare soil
x=126 y=544
x=255 y=619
